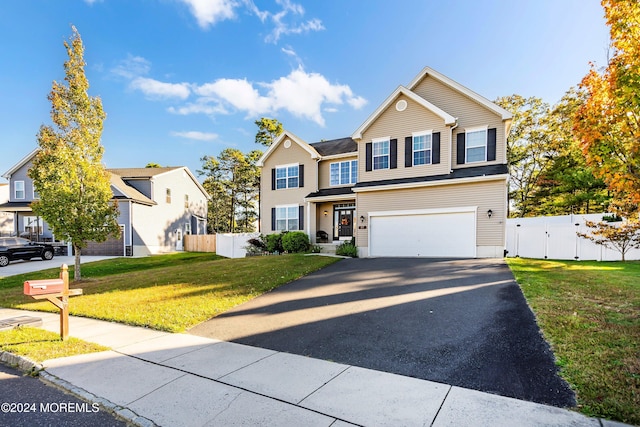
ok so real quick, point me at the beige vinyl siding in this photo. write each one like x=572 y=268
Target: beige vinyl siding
x=325 y=223
x=398 y=125
x=324 y=171
x=468 y=112
x=485 y=195
x=287 y=196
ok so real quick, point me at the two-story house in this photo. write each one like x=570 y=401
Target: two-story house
x=157 y=206
x=425 y=175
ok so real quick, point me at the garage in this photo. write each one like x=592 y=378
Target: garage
x=447 y=233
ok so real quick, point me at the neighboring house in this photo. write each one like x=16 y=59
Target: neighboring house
x=424 y=175
x=6 y=218
x=158 y=206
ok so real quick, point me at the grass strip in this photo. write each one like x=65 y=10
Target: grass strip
x=590 y=313
x=40 y=345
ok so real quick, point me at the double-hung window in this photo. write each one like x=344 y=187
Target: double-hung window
x=287 y=218
x=476 y=145
x=381 y=154
x=343 y=173
x=18 y=188
x=287 y=176
x=422 y=148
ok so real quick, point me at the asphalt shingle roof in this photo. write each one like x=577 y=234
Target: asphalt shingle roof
x=335 y=146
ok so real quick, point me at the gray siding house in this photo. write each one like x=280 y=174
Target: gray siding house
x=158 y=206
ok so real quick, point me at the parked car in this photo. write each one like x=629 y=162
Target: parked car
x=12 y=248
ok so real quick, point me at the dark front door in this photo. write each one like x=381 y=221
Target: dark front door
x=344 y=222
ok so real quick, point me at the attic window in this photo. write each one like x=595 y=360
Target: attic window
x=401 y=105
x=168 y=199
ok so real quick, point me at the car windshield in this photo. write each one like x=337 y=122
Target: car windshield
x=5 y=241
x=22 y=241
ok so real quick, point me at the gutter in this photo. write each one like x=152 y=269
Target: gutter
x=451 y=144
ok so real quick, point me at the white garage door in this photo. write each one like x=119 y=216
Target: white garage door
x=423 y=234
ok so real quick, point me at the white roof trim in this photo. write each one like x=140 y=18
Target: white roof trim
x=474 y=179
x=448 y=119
x=504 y=114
x=286 y=134
x=21 y=163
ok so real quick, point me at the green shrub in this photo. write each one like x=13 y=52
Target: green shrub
x=347 y=249
x=295 y=241
x=316 y=249
x=274 y=242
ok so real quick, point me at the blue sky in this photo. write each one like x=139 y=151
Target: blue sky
x=180 y=79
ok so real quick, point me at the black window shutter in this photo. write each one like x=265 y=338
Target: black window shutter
x=491 y=144
x=301 y=176
x=273 y=178
x=408 y=151
x=273 y=219
x=435 y=148
x=300 y=217
x=393 y=154
x=461 y=149
x=369 y=156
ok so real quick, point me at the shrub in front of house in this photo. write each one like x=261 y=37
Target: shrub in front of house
x=274 y=242
x=347 y=249
x=295 y=241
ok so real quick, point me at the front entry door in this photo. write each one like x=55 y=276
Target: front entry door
x=344 y=222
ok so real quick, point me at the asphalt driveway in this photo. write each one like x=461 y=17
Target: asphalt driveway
x=460 y=322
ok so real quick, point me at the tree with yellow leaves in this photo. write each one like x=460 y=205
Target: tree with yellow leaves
x=73 y=184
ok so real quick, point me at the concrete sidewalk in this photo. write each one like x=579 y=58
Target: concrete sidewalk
x=157 y=378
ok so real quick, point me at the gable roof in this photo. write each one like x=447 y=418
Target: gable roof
x=148 y=173
x=283 y=137
x=127 y=191
x=427 y=71
x=21 y=163
x=401 y=90
x=335 y=146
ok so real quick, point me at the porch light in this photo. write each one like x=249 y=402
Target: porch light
x=489 y=213
x=325 y=213
x=361 y=218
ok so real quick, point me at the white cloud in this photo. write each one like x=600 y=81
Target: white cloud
x=300 y=93
x=238 y=93
x=196 y=135
x=157 y=89
x=131 y=67
x=209 y=12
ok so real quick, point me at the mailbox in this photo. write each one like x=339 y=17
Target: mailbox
x=43 y=287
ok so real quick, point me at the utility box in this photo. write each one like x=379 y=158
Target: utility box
x=43 y=287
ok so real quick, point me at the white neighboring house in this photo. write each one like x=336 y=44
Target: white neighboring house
x=6 y=218
x=158 y=206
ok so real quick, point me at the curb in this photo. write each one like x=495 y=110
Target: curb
x=34 y=369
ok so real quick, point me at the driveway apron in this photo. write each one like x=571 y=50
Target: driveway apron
x=459 y=322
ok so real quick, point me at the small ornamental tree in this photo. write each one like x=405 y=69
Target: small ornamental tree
x=621 y=236
x=73 y=185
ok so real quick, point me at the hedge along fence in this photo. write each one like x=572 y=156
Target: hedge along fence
x=200 y=242
x=555 y=237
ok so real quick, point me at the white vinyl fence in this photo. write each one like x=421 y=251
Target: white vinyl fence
x=554 y=237
x=232 y=245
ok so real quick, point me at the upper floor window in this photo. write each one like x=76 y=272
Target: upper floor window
x=186 y=201
x=36 y=195
x=342 y=173
x=381 y=154
x=422 y=148
x=18 y=190
x=168 y=196
x=476 y=148
x=287 y=176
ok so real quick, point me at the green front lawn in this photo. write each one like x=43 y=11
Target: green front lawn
x=167 y=292
x=590 y=313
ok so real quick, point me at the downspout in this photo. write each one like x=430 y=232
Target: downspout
x=130 y=228
x=451 y=144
